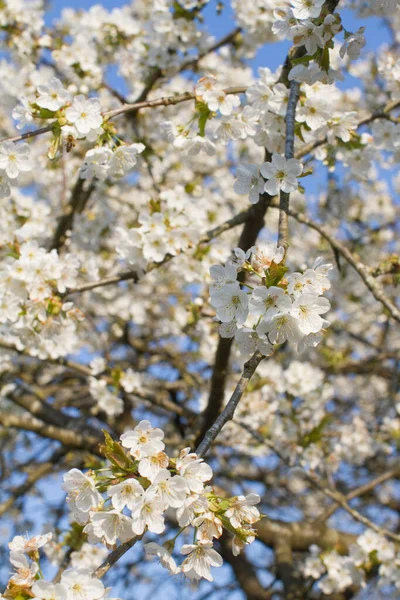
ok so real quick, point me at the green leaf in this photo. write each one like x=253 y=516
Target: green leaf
x=274 y=274
x=325 y=60
x=204 y=114
x=115 y=453
x=315 y=435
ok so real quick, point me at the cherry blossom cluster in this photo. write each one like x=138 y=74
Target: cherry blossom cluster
x=280 y=308
x=279 y=173
x=335 y=573
x=31 y=281
x=141 y=484
x=72 y=118
x=168 y=226
x=105 y=395
x=306 y=24
x=75 y=116
x=27 y=581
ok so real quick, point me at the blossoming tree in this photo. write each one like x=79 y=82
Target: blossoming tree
x=199 y=340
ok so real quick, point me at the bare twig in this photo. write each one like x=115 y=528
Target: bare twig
x=352 y=259
x=229 y=410
x=114 y=556
x=68 y=438
x=135 y=276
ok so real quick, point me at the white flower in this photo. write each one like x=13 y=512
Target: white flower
x=307 y=309
x=149 y=466
x=205 y=87
x=208 y=526
x=171 y=490
x=231 y=303
x=249 y=182
x=130 y=381
x=23 y=112
x=314 y=112
x=89 y=556
x=143 y=440
x=228 y=330
x=222 y=275
x=307 y=9
x=52 y=95
x=341 y=125
x=250 y=340
x=15 y=158
x=266 y=302
x=124 y=158
x=313 y=566
x=81 y=585
x=85 y=114
x=242 y=510
x=26 y=570
x=96 y=163
x=198 y=144
x=192 y=507
x=281 y=327
x=44 y=590
x=218 y=100
x=166 y=560
x=148 y=512
x=28 y=545
x=97 y=365
x=125 y=493
x=82 y=490
x=112 y=526
x=194 y=470
x=201 y=557
x=281 y=174
x=264 y=254
x=353 y=44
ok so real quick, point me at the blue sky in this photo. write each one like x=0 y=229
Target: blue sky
x=270 y=56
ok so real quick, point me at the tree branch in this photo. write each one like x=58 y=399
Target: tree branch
x=353 y=260
x=283 y=230
x=229 y=410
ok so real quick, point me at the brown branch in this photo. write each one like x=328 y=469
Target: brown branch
x=114 y=556
x=319 y=485
x=164 y=101
x=362 y=269
x=290 y=120
x=77 y=203
x=135 y=276
x=361 y=490
x=244 y=572
x=68 y=438
x=380 y=114
x=38 y=470
x=229 y=410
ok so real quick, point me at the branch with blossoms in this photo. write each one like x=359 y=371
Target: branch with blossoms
x=124 y=197
x=365 y=272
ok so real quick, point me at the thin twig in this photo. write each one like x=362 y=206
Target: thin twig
x=114 y=556
x=229 y=410
x=134 y=275
x=364 y=271
x=339 y=498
